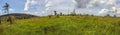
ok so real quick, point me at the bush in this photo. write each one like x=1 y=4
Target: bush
x=114 y=16
x=61 y=14
x=73 y=14
x=49 y=16
x=107 y=15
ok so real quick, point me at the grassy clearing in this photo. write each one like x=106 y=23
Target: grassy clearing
x=64 y=25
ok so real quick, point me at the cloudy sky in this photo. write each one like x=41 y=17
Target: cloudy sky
x=46 y=7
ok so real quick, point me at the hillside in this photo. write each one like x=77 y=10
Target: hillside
x=63 y=25
x=19 y=15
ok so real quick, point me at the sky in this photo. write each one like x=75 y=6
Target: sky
x=46 y=7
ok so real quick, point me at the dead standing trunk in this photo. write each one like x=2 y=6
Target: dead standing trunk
x=6 y=8
x=10 y=20
x=0 y=20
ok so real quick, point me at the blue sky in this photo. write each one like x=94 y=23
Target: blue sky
x=17 y=5
x=46 y=7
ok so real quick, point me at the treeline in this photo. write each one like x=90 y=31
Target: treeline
x=15 y=16
x=74 y=14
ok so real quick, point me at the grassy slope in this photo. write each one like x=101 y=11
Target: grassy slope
x=65 y=25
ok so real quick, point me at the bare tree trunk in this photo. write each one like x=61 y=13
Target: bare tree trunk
x=6 y=8
x=0 y=21
x=10 y=20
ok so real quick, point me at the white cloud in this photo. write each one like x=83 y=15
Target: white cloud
x=74 y=1
x=49 y=4
x=103 y=11
x=93 y=3
x=27 y=5
x=111 y=2
x=33 y=2
x=58 y=4
x=106 y=6
x=0 y=10
x=11 y=10
x=103 y=5
x=36 y=5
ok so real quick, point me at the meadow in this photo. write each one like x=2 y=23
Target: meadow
x=63 y=25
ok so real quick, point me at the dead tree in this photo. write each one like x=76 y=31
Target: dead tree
x=55 y=13
x=6 y=9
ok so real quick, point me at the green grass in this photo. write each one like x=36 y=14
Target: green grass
x=64 y=25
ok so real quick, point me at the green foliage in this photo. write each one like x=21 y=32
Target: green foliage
x=73 y=14
x=65 y=25
x=61 y=14
x=114 y=16
x=108 y=15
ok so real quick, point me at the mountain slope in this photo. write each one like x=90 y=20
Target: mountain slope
x=19 y=15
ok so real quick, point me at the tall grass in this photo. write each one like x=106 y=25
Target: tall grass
x=64 y=25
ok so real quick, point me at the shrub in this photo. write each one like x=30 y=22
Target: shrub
x=107 y=15
x=61 y=14
x=114 y=16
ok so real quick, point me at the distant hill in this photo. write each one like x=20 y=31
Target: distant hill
x=19 y=15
